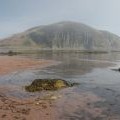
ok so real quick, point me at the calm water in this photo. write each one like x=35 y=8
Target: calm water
x=96 y=98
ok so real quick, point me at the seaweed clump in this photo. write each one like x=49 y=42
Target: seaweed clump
x=48 y=84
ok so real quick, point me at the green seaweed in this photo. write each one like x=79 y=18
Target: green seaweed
x=48 y=84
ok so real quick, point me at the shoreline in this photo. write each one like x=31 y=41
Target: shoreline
x=9 y=64
x=52 y=105
x=13 y=108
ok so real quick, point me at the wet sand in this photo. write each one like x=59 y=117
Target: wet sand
x=25 y=109
x=9 y=64
x=51 y=106
x=62 y=105
x=76 y=103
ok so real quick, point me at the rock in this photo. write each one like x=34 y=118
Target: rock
x=4 y=115
x=48 y=84
x=10 y=53
x=39 y=102
x=116 y=69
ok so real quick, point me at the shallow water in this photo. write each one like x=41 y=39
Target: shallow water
x=96 y=98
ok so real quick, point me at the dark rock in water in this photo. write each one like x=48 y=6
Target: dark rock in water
x=10 y=53
x=48 y=84
x=117 y=69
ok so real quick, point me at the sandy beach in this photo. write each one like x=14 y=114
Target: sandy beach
x=80 y=103
x=10 y=64
x=14 y=108
x=51 y=106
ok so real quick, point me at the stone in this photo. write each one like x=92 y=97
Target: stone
x=48 y=84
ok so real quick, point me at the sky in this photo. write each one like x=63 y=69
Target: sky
x=19 y=15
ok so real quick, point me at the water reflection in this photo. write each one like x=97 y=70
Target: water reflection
x=72 y=66
x=98 y=90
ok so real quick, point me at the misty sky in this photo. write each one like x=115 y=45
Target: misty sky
x=19 y=15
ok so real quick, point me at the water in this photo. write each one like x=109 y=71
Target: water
x=96 y=98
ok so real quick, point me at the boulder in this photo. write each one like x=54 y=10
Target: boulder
x=48 y=84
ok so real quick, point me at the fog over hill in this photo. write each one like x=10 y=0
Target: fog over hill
x=65 y=35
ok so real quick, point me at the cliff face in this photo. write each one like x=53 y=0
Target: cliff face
x=66 y=36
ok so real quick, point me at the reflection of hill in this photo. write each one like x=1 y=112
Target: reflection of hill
x=73 y=65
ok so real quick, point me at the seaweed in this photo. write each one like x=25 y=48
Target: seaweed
x=48 y=84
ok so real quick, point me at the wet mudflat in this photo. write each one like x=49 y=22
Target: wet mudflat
x=95 y=98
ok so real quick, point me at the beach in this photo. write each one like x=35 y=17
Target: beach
x=95 y=98
x=14 y=108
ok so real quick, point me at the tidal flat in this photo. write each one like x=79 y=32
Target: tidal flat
x=95 y=98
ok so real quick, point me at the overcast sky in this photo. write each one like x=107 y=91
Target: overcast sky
x=19 y=15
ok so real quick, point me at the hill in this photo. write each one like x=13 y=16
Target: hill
x=65 y=36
